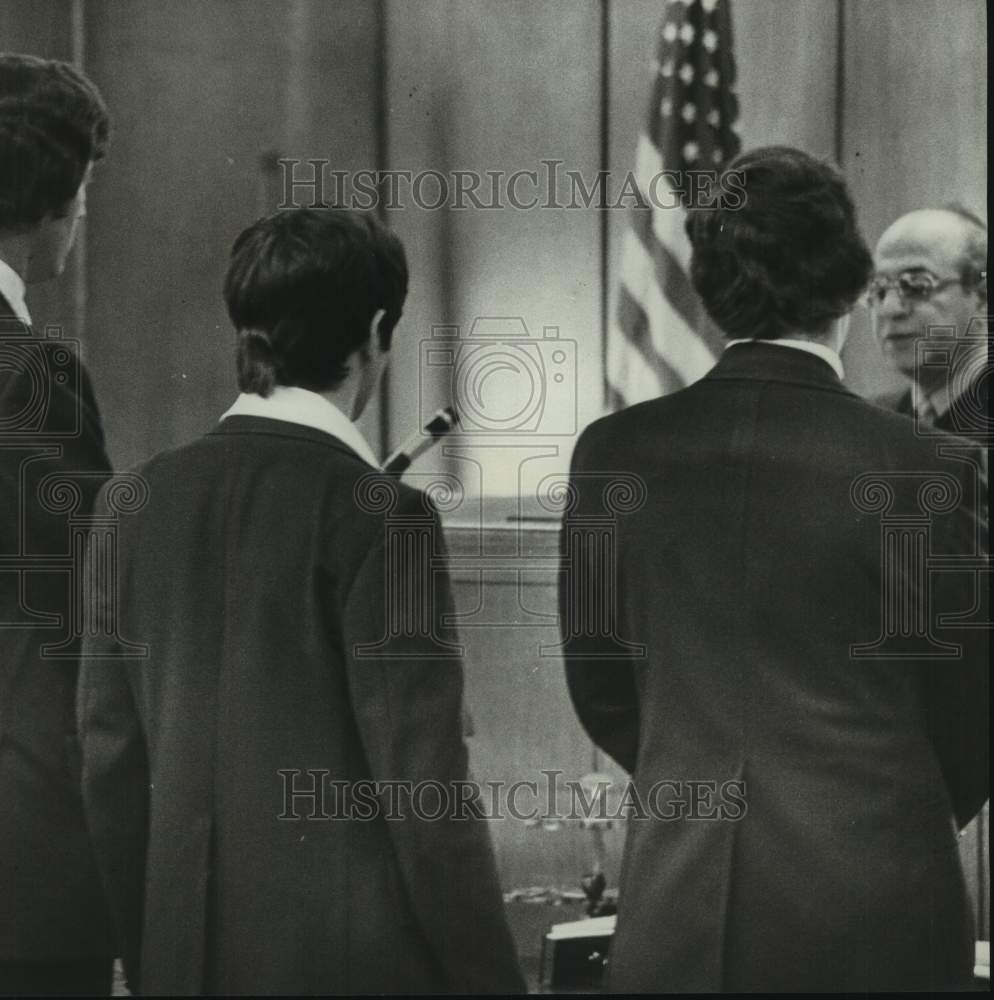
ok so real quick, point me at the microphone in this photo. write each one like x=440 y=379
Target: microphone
x=444 y=421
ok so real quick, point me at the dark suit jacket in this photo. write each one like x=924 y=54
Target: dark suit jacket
x=747 y=574
x=52 y=903
x=253 y=574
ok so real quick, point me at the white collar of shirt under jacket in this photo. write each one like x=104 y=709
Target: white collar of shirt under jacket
x=818 y=350
x=301 y=406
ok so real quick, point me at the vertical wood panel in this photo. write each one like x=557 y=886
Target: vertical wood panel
x=199 y=92
x=419 y=108
x=786 y=69
x=499 y=87
x=915 y=127
x=42 y=28
x=523 y=88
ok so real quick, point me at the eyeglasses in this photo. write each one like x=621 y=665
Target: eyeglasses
x=912 y=287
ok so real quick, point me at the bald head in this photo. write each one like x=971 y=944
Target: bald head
x=946 y=237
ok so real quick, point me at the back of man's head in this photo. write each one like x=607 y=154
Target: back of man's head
x=788 y=257
x=302 y=289
x=53 y=124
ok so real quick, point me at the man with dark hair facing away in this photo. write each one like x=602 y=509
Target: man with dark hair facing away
x=803 y=757
x=55 y=931
x=237 y=778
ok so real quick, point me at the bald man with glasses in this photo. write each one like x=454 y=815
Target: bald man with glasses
x=928 y=299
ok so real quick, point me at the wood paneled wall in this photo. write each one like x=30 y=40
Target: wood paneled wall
x=202 y=93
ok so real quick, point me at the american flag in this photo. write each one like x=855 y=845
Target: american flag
x=660 y=338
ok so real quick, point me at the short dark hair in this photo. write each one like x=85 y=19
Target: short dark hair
x=788 y=256
x=302 y=287
x=53 y=124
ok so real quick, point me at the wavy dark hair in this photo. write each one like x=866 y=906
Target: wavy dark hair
x=53 y=124
x=789 y=257
x=302 y=287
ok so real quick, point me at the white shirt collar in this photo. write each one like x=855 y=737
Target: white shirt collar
x=301 y=406
x=818 y=350
x=12 y=288
x=931 y=404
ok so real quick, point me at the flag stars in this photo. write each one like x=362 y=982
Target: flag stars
x=687 y=74
x=711 y=77
x=709 y=5
x=690 y=151
x=709 y=40
x=669 y=32
x=689 y=112
x=718 y=154
x=713 y=118
x=687 y=33
x=666 y=70
x=666 y=107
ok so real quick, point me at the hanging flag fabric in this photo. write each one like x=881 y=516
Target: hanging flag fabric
x=660 y=339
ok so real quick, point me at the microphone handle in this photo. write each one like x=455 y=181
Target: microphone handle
x=415 y=446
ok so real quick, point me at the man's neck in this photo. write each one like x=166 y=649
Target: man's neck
x=834 y=340
x=343 y=398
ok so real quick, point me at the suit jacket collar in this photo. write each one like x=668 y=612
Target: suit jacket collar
x=7 y=311
x=240 y=424
x=759 y=362
x=301 y=406
x=12 y=289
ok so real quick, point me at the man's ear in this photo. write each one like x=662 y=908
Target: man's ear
x=375 y=335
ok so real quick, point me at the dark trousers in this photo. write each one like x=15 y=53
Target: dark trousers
x=72 y=978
